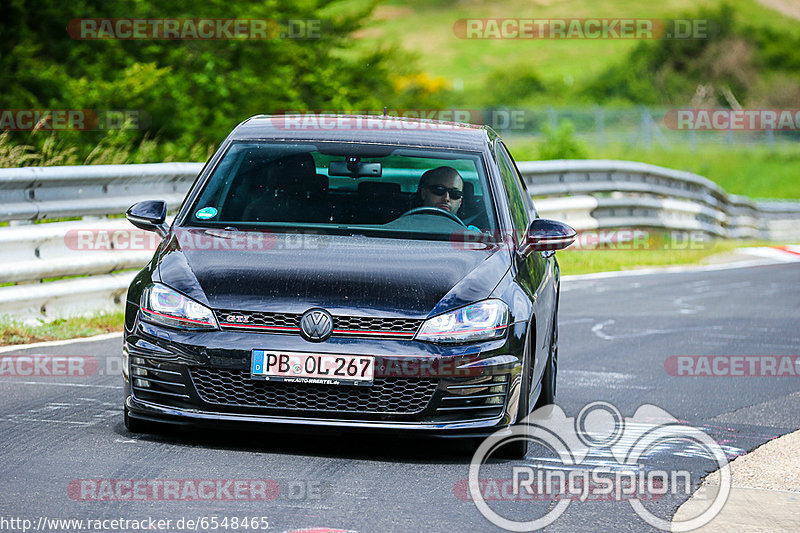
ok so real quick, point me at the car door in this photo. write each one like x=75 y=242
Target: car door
x=536 y=272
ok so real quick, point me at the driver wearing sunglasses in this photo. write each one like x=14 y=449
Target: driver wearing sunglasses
x=441 y=187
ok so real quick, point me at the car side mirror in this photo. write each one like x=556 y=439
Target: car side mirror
x=545 y=235
x=149 y=215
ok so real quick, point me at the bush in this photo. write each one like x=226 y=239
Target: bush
x=560 y=143
x=193 y=91
x=733 y=61
x=511 y=86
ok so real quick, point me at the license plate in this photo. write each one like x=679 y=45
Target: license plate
x=322 y=369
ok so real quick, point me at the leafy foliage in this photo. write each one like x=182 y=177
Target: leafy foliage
x=560 y=142
x=735 y=64
x=191 y=91
x=513 y=84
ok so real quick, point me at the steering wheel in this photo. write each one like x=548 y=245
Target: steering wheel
x=434 y=211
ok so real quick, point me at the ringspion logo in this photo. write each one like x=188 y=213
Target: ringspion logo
x=572 y=475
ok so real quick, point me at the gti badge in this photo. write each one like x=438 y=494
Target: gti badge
x=237 y=319
x=316 y=325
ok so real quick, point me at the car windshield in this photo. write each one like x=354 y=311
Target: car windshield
x=343 y=187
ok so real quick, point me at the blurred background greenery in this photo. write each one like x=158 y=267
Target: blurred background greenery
x=601 y=98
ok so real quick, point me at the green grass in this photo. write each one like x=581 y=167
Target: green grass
x=757 y=172
x=15 y=332
x=590 y=261
x=426 y=29
x=754 y=171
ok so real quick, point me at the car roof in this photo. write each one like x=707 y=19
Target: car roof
x=372 y=129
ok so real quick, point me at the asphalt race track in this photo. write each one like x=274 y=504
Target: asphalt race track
x=618 y=338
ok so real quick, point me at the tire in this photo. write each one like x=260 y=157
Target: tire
x=547 y=395
x=135 y=425
x=514 y=450
x=519 y=448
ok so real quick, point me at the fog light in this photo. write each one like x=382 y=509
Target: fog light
x=497 y=400
x=141 y=383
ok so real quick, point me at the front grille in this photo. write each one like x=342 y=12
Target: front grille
x=288 y=322
x=152 y=379
x=357 y=326
x=386 y=395
x=480 y=398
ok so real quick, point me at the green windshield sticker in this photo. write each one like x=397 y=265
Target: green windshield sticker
x=206 y=212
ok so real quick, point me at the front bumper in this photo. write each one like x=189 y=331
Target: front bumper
x=203 y=378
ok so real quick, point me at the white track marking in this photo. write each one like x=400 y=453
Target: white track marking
x=668 y=270
x=102 y=337
x=54 y=384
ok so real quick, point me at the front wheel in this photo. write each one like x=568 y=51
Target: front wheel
x=547 y=396
x=513 y=450
x=518 y=449
x=134 y=425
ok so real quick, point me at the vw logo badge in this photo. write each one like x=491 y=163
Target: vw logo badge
x=316 y=325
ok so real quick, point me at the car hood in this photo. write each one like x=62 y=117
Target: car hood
x=258 y=271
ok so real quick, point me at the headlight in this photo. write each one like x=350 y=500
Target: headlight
x=162 y=305
x=476 y=322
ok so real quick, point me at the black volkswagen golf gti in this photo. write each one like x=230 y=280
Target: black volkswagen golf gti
x=345 y=271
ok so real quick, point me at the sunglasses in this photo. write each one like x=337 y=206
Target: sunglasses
x=440 y=190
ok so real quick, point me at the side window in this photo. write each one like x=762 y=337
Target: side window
x=519 y=211
x=526 y=197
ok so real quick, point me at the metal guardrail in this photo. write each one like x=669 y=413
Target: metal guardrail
x=33 y=193
x=630 y=194
x=35 y=252
x=588 y=194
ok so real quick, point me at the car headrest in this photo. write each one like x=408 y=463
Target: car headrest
x=291 y=169
x=469 y=189
x=296 y=174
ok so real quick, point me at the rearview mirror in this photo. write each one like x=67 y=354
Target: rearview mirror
x=355 y=169
x=149 y=215
x=546 y=235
